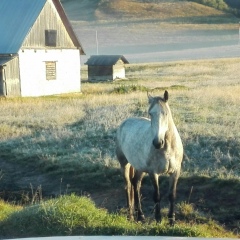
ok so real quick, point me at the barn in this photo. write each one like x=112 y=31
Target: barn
x=106 y=67
x=39 y=51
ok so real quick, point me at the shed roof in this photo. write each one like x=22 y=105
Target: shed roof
x=105 y=60
x=17 y=19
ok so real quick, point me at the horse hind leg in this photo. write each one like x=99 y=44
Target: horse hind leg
x=129 y=174
x=172 y=197
x=137 y=181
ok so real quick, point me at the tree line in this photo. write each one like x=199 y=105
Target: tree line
x=232 y=6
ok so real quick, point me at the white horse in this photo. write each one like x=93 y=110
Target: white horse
x=150 y=146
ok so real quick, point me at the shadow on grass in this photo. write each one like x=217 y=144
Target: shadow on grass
x=62 y=164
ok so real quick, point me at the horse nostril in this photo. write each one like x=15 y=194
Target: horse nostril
x=158 y=144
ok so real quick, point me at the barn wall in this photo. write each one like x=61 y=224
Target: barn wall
x=1 y=81
x=33 y=72
x=100 y=73
x=10 y=78
x=48 y=20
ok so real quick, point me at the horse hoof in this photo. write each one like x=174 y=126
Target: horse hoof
x=141 y=218
x=171 y=222
x=131 y=218
x=158 y=218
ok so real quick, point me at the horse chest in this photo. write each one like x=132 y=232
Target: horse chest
x=161 y=162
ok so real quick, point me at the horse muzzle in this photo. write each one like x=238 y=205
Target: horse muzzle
x=158 y=144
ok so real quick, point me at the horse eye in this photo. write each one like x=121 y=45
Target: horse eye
x=164 y=113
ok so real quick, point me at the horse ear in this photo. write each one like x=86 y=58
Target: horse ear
x=166 y=96
x=150 y=98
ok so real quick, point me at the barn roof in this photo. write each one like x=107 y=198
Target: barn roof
x=17 y=18
x=105 y=60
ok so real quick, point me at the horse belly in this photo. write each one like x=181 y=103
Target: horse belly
x=157 y=163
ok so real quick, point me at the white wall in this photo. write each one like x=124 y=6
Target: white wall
x=33 y=72
x=118 y=72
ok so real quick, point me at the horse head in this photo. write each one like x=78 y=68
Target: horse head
x=158 y=112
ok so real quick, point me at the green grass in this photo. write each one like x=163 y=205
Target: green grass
x=73 y=215
x=66 y=144
x=7 y=209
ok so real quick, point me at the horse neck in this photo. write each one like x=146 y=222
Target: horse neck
x=171 y=125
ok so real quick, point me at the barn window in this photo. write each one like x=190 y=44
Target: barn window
x=51 y=38
x=51 y=71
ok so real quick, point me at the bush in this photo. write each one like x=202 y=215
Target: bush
x=218 y=4
x=129 y=88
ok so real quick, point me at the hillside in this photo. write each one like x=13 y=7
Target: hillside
x=153 y=31
x=102 y=10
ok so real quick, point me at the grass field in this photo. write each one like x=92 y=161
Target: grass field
x=57 y=145
x=58 y=170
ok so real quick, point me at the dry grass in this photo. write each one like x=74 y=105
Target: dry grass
x=205 y=101
x=204 y=96
x=198 y=75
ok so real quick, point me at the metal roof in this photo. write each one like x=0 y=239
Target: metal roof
x=105 y=60
x=17 y=18
x=5 y=59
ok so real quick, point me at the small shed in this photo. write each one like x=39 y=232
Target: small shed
x=106 y=67
x=39 y=51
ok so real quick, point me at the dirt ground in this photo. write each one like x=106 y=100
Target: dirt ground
x=25 y=186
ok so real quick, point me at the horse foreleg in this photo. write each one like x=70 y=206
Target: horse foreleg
x=129 y=174
x=137 y=181
x=172 y=197
x=156 y=196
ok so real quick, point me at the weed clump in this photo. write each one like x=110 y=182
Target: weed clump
x=129 y=88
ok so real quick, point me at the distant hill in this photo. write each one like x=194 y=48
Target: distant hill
x=153 y=30
x=100 y=10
